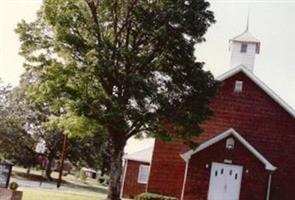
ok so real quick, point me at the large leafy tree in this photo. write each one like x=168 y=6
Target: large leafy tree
x=123 y=67
x=15 y=143
x=23 y=124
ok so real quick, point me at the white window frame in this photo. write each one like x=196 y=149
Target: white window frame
x=140 y=178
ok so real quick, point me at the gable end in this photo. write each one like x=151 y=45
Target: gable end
x=260 y=84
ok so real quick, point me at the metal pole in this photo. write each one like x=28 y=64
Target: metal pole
x=268 y=186
x=64 y=146
x=41 y=166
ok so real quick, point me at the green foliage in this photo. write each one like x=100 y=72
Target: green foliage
x=15 y=144
x=13 y=186
x=23 y=124
x=73 y=125
x=128 y=64
x=119 y=68
x=152 y=196
x=89 y=151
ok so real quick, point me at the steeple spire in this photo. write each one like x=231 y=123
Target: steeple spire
x=247 y=26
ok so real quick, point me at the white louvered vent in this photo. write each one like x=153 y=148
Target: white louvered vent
x=238 y=86
x=230 y=143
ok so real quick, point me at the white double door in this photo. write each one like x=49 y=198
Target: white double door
x=225 y=182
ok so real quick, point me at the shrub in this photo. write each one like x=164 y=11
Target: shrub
x=103 y=180
x=13 y=186
x=152 y=196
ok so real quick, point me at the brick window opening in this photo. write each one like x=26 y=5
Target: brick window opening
x=143 y=174
x=244 y=48
x=238 y=86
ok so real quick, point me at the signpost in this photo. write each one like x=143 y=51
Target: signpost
x=5 y=173
x=41 y=148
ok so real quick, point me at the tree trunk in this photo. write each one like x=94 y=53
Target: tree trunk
x=48 y=169
x=117 y=152
x=28 y=170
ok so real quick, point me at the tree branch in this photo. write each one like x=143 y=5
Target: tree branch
x=93 y=10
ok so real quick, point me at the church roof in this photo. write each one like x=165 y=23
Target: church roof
x=144 y=155
x=246 y=36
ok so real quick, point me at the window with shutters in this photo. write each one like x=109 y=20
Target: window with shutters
x=143 y=174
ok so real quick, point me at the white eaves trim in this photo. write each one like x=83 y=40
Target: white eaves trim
x=268 y=166
x=258 y=82
x=144 y=155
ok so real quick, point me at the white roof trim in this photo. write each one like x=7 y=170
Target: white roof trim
x=144 y=155
x=262 y=85
x=268 y=166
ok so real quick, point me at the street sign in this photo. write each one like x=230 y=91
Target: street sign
x=5 y=173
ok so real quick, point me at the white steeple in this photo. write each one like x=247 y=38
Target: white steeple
x=243 y=49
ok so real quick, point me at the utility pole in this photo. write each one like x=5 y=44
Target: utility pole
x=61 y=167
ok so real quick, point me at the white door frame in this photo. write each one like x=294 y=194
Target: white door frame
x=225 y=181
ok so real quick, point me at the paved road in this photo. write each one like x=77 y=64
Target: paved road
x=50 y=185
x=33 y=184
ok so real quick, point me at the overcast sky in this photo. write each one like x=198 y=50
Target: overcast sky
x=271 y=21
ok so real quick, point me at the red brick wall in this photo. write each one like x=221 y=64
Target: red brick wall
x=254 y=177
x=252 y=113
x=167 y=169
x=131 y=186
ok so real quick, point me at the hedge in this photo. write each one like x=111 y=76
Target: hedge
x=152 y=196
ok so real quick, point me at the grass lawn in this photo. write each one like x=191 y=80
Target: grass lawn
x=73 y=188
x=42 y=194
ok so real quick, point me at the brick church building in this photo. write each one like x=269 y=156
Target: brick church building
x=246 y=151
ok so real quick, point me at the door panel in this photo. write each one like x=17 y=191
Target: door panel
x=225 y=182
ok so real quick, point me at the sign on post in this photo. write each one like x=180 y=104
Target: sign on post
x=5 y=173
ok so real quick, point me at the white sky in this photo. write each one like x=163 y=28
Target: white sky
x=271 y=21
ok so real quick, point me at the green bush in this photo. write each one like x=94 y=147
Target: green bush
x=152 y=196
x=103 y=180
x=13 y=186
